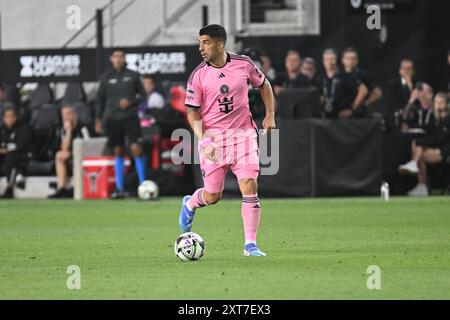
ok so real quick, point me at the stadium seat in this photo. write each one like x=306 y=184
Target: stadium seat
x=43 y=123
x=12 y=95
x=44 y=118
x=84 y=113
x=43 y=94
x=74 y=93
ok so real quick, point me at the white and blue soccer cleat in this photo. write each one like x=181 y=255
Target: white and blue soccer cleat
x=186 y=217
x=252 y=250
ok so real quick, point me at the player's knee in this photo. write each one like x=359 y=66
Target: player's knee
x=248 y=186
x=212 y=198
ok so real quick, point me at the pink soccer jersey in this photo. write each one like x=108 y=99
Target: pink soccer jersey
x=221 y=95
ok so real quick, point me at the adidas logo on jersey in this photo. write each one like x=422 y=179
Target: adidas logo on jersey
x=221 y=75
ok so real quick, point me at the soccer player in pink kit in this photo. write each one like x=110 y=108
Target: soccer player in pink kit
x=219 y=114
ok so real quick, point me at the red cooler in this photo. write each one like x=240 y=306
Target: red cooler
x=98 y=176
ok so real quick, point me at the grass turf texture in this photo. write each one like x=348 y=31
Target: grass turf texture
x=317 y=249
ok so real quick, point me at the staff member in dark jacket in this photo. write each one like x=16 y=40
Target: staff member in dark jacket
x=14 y=143
x=119 y=94
x=434 y=148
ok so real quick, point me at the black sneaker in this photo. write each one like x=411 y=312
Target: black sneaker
x=118 y=195
x=8 y=194
x=60 y=194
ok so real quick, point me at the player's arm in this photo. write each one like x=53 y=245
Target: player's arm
x=269 y=103
x=195 y=121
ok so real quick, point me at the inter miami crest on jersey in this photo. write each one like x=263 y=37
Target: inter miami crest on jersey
x=224 y=89
x=226 y=104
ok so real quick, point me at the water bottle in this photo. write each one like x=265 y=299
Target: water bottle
x=385 y=191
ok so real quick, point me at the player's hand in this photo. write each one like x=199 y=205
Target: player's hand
x=98 y=126
x=210 y=152
x=124 y=104
x=268 y=123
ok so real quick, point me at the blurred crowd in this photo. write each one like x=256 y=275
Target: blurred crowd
x=36 y=133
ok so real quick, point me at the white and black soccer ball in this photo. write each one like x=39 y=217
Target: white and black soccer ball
x=148 y=190
x=189 y=246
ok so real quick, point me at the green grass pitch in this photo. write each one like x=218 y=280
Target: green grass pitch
x=317 y=249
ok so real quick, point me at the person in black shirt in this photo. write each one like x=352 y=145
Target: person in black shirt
x=365 y=92
x=336 y=88
x=14 y=143
x=309 y=70
x=433 y=148
x=399 y=89
x=292 y=77
x=2 y=98
x=119 y=94
x=418 y=113
x=69 y=130
x=448 y=82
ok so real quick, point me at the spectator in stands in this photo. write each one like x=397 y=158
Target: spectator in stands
x=399 y=89
x=14 y=143
x=309 y=70
x=448 y=82
x=69 y=130
x=2 y=98
x=292 y=77
x=267 y=68
x=433 y=148
x=153 y=100
x=336 y=88
x=119 y=94
x=418 y=113
x=365 y=92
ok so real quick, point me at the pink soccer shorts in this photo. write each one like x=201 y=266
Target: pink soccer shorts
x=242 y=158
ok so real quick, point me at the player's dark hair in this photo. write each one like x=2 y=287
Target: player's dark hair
x=215 y=31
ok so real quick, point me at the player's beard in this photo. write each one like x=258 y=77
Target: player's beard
x=212 y=58
x=207 y=58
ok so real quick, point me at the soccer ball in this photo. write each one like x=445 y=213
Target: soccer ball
x=148 y=190
x=189 y=246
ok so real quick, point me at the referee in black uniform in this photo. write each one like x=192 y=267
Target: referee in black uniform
x=119 y=94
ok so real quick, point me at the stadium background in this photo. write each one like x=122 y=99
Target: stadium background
x=319 y=248
x=415 y=29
